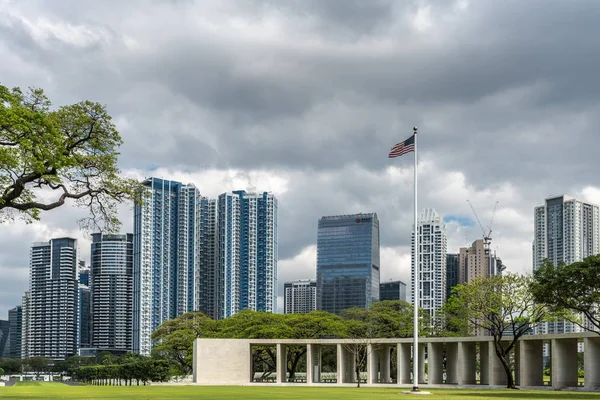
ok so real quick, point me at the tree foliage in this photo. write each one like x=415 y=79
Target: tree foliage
x=49 y=156
x=384 y=319
x=501 y=305
x=570 y=290
x=11 y=365
x=39 y=365
x=174 y=339
x=139 y=369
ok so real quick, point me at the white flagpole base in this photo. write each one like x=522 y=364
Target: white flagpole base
x=416 y=391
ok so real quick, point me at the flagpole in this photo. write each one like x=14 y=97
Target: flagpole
x=416 y=283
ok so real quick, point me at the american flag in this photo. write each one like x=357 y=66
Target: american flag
x=403 y=147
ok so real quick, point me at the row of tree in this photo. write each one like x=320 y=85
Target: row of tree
x=103 y=369
x=139 y=369
x=38 y=365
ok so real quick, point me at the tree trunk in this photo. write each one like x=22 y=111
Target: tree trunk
x=510 y=382
x=293 y=368
x=294 y=365
x=502 y=354
x=357 y=367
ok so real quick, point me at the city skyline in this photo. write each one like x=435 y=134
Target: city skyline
x=281 y=292
x=305 y=99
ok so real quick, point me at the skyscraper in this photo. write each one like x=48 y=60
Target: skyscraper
x=15 y=320
x=567 y=230
x=4 y=337
x=83 y=274
x=218 y=256
x=477 y=261
x=247 y=244
x=112 y=292
x=165 y=259
x=431 y=239
x=84 y=317
x=394 y=290
x=209 y=282
x=451 y=273
x=347 y=262
x=53 y=303
x=85 y=306
x=26 y=308
x=300 y=296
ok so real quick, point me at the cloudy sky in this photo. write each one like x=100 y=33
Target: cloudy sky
x=304 y=98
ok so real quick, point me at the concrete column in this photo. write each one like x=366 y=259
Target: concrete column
x=346 y=363
x=484 y=363
x=252 y=370
x=531 y=362
x=435 y=359
x=349 y=365
x=309 y=363
x=340 y=363
x=313 y=363
x=591 y=362
x=421 y=363
x=372 y=364
x=403 y=362
x=564 y=363
x=467 y=363
x=384 y=364
x=452 y=363
x=496 y=373
x=281 y=363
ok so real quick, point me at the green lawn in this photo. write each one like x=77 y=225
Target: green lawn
x=36 y=390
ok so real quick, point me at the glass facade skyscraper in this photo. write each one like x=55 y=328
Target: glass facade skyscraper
x=347 y=262
x=15 y=319
x=452 y=278
x=394 y=290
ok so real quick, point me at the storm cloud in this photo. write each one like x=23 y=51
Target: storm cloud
x=305 y=99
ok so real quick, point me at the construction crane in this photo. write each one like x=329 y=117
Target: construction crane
x=487 y=237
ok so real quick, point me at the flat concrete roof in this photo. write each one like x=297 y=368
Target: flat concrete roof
x=577 y=335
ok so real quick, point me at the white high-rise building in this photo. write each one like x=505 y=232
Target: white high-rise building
x=26 y=306
x=565 y=230
x=431 y=239
x=52 y=309
x=112 y=292
x=300 y=296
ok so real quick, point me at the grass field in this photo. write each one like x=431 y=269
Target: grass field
x=36 y=390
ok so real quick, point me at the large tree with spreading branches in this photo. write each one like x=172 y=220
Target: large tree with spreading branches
x=571 y=290
x=502 y=306
x=49 y=156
